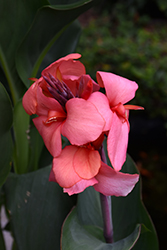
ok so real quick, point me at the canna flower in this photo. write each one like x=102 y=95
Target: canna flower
x=119 y=91
x=77 y=168
x=59 y=98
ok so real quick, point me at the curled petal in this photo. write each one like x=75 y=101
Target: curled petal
x=62 y=168
x=111 y=182
x=53 y=68
x=29 y=100
x=117 y=142
x=118 y=89
x=80 y=186
x=101 y=103
x=84 y=123
x=71 y=68
x=87 y=162
x=85 y=87
x=50 y=134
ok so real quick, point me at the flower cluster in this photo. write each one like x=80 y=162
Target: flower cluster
x=68 y=102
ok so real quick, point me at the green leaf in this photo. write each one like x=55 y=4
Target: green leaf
x=37 y=208
x=6 y=149
x=6 y=144
x=129 y=211
x=6 y=112
x=47 y=27
x=78 y=237
x=64 y=45
x=36 y=145
x=89 y=208
x=2 y=243
x=21 y=128
x=15 y=22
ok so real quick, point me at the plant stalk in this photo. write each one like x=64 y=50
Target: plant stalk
x=106 y=206
x=107 y=218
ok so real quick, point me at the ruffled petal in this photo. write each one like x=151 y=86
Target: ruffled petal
x=63 y=170
x=101 y=103
x=80 y=186
x=118 y=89
x=84 y=123
x=111 y=182
x=52 y=68
x=29 y=100
x=46 y=103
x=50 y=133
x=69 y=56
x=71 y=68
x=87 y=162
x=117 y=142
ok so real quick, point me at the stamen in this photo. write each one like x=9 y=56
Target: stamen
x=59 y=90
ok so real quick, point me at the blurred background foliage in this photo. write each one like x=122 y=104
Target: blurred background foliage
x=129 y=38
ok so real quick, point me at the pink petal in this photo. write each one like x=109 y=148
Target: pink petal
x=46 y=103
x=71 y=67
x=63 y=170
x=111 y=182
x=85 y=86
x=80 y=186
x=133 y=107
x=29 y=100
x=83 y=123
x=117 y=142
x=87 y=162
x=118 y=89
x=52 y=68
x=101 y=103
x=70 y=56
x=50 y=133
x=72 y=83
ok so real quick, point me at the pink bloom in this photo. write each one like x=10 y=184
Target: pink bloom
x=77 y=168
x=118 y=91
x=59 y=98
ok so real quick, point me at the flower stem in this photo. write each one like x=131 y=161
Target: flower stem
x=106 y=208
x=107 y=218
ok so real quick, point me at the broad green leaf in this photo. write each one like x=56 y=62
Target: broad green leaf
x=129 y=211
x=6 y=112
x=47 y=27
x=89 y=208
x=2 y=243
x=75 y=236
x=21 y=129
x=15 y=20
x=6 y=144
x=37 y=208
x=64 y=45
x=6 y=151
x=36 y=144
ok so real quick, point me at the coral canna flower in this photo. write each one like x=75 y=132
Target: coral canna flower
x=119 y=91
x=59 y=98
x=77 y=168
